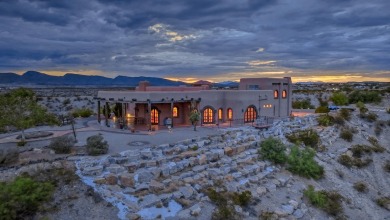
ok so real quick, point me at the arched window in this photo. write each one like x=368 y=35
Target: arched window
x=175 y=112
x=208 y=116
x=250 y=114
x=154 y=116
x=284 y=94
x=276 y=94
x=230 y=114
x=220 y=114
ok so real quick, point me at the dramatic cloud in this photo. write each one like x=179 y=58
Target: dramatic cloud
x=216 y=40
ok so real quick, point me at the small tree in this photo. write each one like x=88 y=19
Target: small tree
x=339 y=98
x=20 y=109
x=194 y=118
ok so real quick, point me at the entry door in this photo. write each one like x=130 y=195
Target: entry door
x=154 y=117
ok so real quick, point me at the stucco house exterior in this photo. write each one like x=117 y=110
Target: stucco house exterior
x=172 y=105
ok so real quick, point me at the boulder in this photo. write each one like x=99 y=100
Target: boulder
x=111 y=179
x=155 y=186
x=92 y=171
x=228 y=151
x=126 y=180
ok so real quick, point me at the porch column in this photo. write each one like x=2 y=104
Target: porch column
x=171 y=114
x=106 y=113
x=149 y=117
x=98 y=111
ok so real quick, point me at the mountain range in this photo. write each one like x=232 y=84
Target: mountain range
x=71 y=79
x=38 y=78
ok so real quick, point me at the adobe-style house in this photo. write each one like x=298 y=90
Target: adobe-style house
x=149 y=106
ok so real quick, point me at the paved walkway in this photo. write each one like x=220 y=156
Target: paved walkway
x=118 y=140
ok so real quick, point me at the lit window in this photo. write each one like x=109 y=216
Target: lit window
x=175 y=112
x=230 y=114
x=220 y=114
x=154 y=117
x=208 y=116
x=250 y=114
x=284 y=94
x=276 y=94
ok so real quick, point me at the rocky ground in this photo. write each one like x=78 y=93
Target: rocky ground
x=169 y=181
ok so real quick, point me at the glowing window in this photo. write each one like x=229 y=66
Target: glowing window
x=276 y=94
x=250 y=114
x=220 y=114
x=175 y=112
x=154 y=117
x=284 y=94
x=207 y=116
x=230 y=113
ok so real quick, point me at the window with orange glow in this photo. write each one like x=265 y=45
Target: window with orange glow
x=276 y=94
x=250 y=114
x=175 y=112
x=230 y=114
x=220 y=114
x=208 y=116
x=154 y=117
x=284 y=94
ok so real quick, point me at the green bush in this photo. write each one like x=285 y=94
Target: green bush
x=360 y=187
x=309 y=137
x=242 y=199
x=364 y=97
x=62 y=145
x=83 y=112
x=360 y=104
x=359 y=150
x=96 y=145
x=339 y=98
x=22 y=197
x=363 y=110
x=346 y=135
x=220 y=199
x=8 y=156
x=304 y=104
x=351 y=161
x=386 y=167
x=330 y=202
x=383 y=202
x=371 y=117
x=322 y=109
x=274 y=150
x=21 y=143
x=325 y=120
x=388 y=110
x=303 y=163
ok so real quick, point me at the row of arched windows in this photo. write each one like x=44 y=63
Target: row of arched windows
x=208 y=115
x=276 y=94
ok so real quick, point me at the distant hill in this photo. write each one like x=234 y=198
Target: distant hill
x=38 y=78
x=230 y=84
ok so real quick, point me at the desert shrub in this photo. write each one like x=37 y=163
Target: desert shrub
x=21 y=143
x=339 y=98
x=360 y=186
x=345 y=114
x=329 y=201
x=364 y=96
x=304 y=104
x=322 y=109
x=194 y=148
x=308 y=137
x=378 y=129
x=371 y=117
x=274 y=150
x=96 y=145
x=242 y=199
x=359 y=149
x=338 y=120
x=383 y=202
x=62 y=145
x=363 y=110
x=220 y=199
x=386 y=167
x=373 y=141
x=325 y=120
x=8 y=156
x=302 y=162
x=388 y=110
x=66 y=101
x=360 y=104
x=22 y=197
x=351 y=161
x=346 y=135
x=376 y=147
x=83 y=112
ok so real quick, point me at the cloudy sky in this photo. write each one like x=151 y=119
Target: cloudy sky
x=217 y=40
